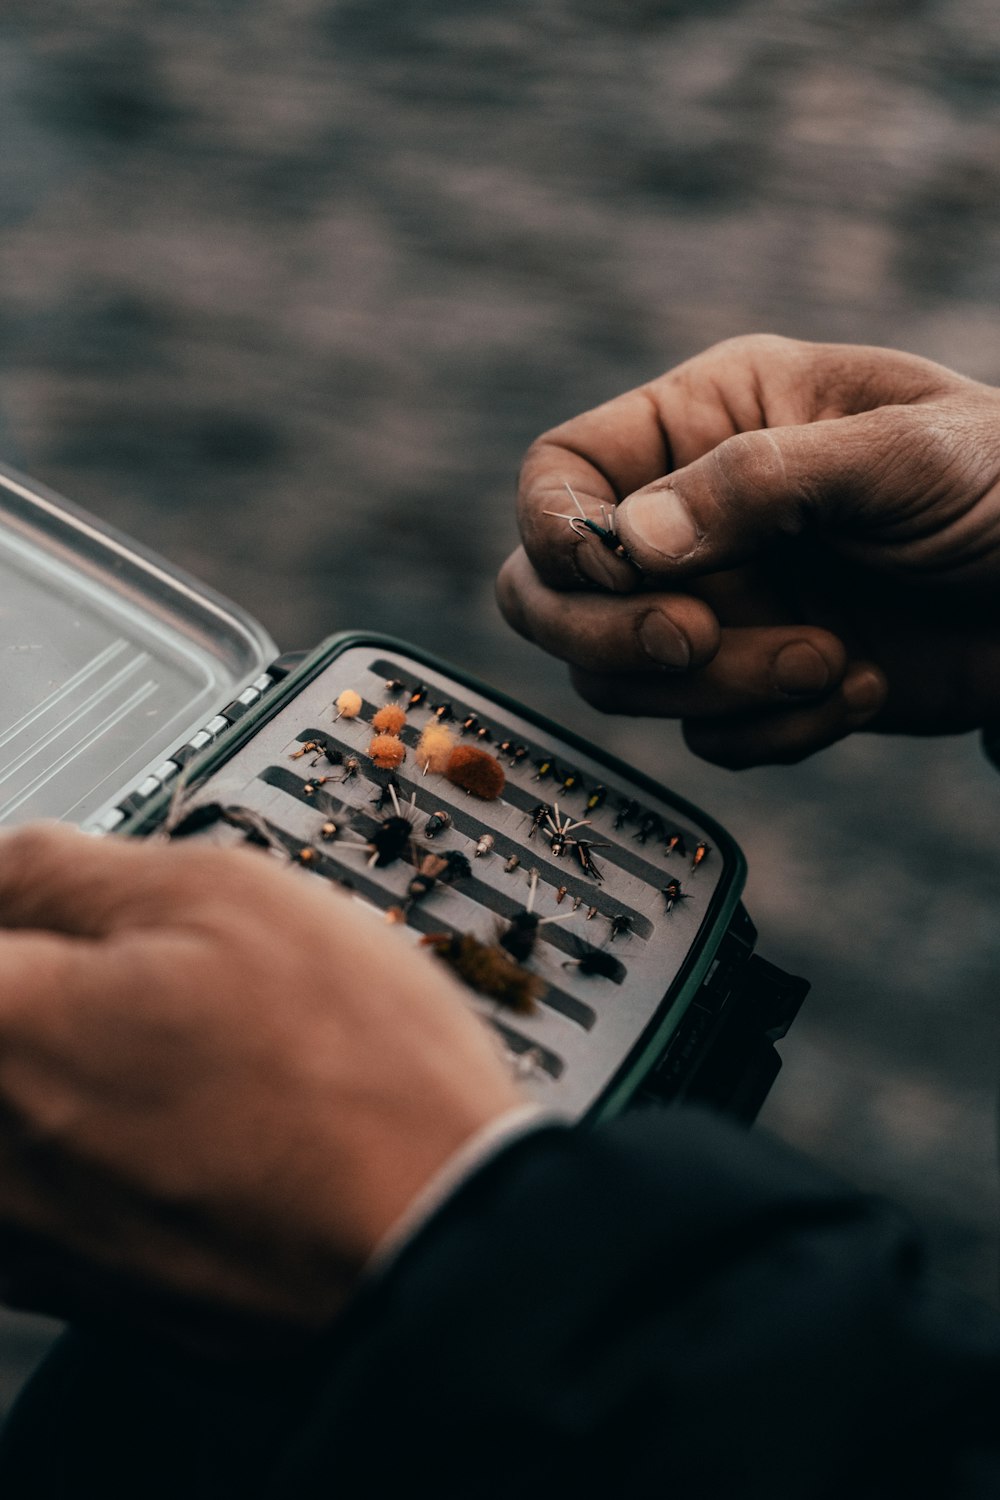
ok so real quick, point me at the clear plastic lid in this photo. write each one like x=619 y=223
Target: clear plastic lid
x=109 y=657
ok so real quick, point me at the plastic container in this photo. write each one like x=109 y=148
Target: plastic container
x=109 y=658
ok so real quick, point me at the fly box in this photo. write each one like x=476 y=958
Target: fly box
x=594 y=915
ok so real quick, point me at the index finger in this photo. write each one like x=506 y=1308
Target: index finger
x=738 y=386
x=57 y=880
x=601 y=456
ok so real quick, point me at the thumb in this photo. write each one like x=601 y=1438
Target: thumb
x=721 y=510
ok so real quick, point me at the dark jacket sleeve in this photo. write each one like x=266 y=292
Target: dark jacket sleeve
x=666 y=1303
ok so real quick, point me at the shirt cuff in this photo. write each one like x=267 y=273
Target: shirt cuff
x=480 y=1148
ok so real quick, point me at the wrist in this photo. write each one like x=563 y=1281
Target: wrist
x=481 y=1148
x=405 y=1161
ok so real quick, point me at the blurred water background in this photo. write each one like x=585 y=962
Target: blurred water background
x=285 y=290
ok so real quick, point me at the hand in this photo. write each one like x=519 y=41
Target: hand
x=221 y=1082
x=811 y=540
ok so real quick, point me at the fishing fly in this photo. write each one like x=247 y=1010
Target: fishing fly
x=348 y=705
x=582 y=848
x=487 y=968
x=626 y=812
x=521 y=934
x=538 y=815
x=389 y=719
x=434 y=747
x=319 y=749
x=598 y=963
x=391 y=837
x=386 y=751
x=651 y=825
x=433 y=868
x=582 y=525
x=672 y=893
x=385 y=792
x=558 y=830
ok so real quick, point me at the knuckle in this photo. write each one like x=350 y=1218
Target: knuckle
x=749 y=477
x=170 y=879
x=540 y=451
x=755 y=343
x=38 y=857
x=536 y=476
x=37 y=843
x=212 y=890
x=748 y=461
x=746 y=470
x=749 y=348
x=886 y=426
x=187 y=871
x=41 y=840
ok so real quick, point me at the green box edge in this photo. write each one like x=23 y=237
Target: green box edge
x=715 y=924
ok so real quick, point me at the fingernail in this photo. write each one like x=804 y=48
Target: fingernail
x=799 y=670
x=864 y=692
x=602 y=567
x=664 y=642
x=660 y=521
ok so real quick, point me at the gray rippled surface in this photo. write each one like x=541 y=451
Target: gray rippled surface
x=286 y=290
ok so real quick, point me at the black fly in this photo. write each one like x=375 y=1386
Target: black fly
x=672 y=893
